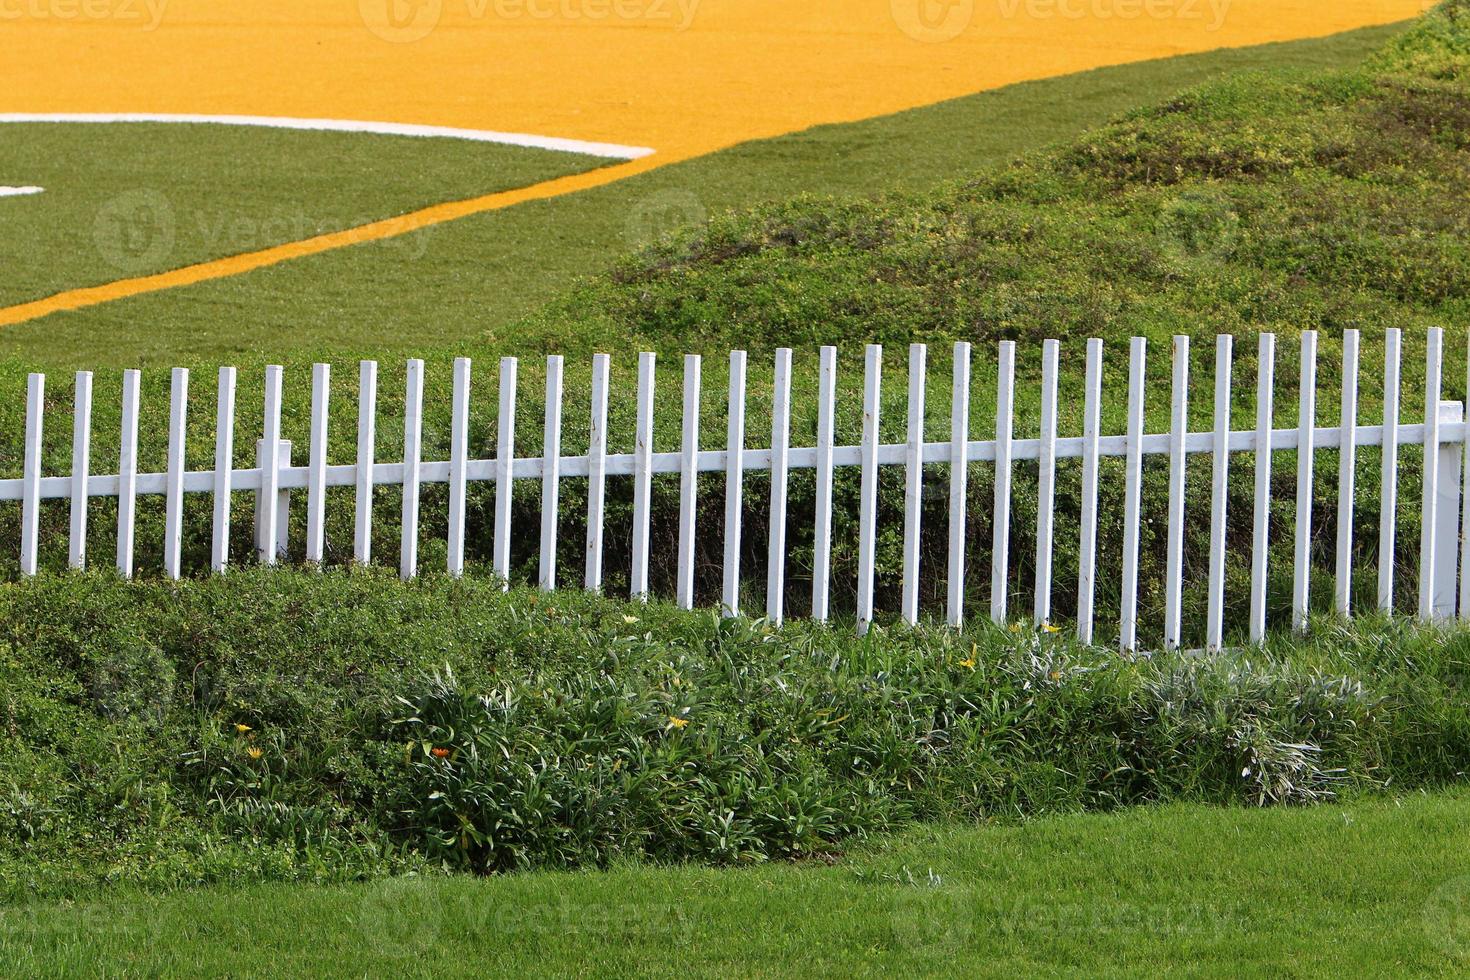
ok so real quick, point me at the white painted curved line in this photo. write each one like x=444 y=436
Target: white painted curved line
x=19 y=191
x=610 y=150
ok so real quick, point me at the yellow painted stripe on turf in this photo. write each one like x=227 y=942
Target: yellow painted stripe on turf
x=75 y=299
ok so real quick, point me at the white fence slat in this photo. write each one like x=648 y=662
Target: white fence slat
x=597 y=470
x=1046 y=482
x=271 y=470
x=1347 y=467
x=1261 y=531
x=913 y=495
x=1388 y=493
x=551 y=472
x=1174 y=558
x=868 y=491
x=316 y=462
x=1447 y=512
x=413 y=450
x=822 y=538
x=1220 y=477
x=642 y=476
x=459 y=454
x=505 y=468
x=30 y=513
x=1465 y=516
x=173 y=521
x=224 y=469
x=780 y=469
x=367 y=443
x=1306 y=434
x=1132 y=494
x=1433 y=366
x=1005 y=400
x=1087 y=550
x=127 y=500
x=688 y=481
x=81 y=468
x=734 y=484
x=959 y=483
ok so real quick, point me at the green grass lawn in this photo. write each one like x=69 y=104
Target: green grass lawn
x=468 y=282
x=1376 y=888
x=136 y=199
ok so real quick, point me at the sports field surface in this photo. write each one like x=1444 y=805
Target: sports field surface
x=1373 y=889
x=680 y=78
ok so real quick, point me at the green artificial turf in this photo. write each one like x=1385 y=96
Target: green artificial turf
x=127 y=200
x=471 y=280
x=1379 y=888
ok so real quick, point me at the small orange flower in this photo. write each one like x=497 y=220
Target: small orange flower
x=439 y=752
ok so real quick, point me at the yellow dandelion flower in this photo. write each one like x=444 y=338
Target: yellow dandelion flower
x=1056 y=675
x=968 y=663
x=630 y=619
x=676 y=722
x=1015 y=627
x=242 y=729
x=255 y=752
x=1049 y=628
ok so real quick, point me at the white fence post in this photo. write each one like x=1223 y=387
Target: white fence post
x=127 y=490
x=367 y=434
x=822 y=540
x=959 y=482
x=551 y=472
x=413 y=445
x=1046 y=503
x=173 y=532
x=1389 y=488
x=1174 y=558
x=81 y=464
x=278 y=516
x=1261 y=530
x=1447 y=515
x=1087 y=536
x=596 y=471
x=1000 y=557
x=734 y=484
x=1220 y=481
x=1132 y=494
x=1429 y=502
x=316 y=493
x=224 y=469
x=688 y=481
x=913 y=493
x=780 y=471
x=30 y=508
x=868 y=492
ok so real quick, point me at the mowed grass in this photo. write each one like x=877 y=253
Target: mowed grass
x=141 y=198
x=465 y=284
x=1377 y=888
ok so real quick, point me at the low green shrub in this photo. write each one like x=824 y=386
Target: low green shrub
x=321 y=726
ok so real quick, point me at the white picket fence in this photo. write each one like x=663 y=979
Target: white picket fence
x=274 y=478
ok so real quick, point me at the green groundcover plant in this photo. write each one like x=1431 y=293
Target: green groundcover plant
x=297 y=725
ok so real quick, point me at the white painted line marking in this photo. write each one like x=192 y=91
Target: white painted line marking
x=611 y=150
x=19 y=191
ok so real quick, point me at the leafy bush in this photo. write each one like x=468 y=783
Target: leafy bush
x=333 y=725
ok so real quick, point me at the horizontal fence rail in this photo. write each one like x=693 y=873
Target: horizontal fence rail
x=274 y=478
